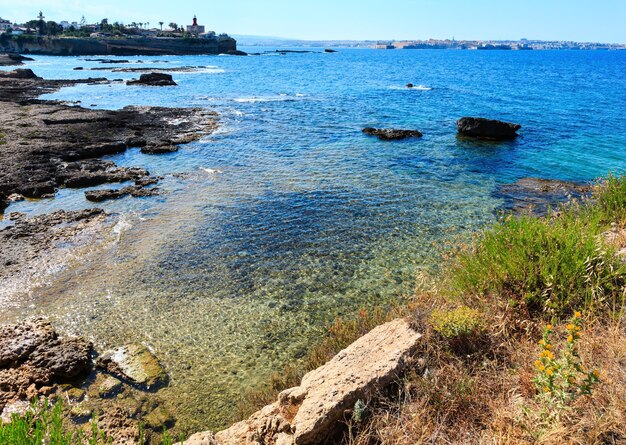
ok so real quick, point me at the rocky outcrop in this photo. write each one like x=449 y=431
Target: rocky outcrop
x=118 y=46
x=154 y=80
x=133 y=190
x=134 y=363
x=50 y=145
x=478 y=127
x=19 y=74
x=33 y=356
x=235 y=52
x=312 y=413
x=391 y=134
x=12 y=59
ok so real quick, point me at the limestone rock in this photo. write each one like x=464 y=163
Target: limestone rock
x=482 y=128
x=312 y=412
x=33 y=356
x=134 y=363
x=391 y=134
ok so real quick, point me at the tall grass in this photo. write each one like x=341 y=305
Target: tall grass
x=552 y=265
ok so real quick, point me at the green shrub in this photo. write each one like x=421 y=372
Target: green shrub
x=462 y=328
x=553 y=264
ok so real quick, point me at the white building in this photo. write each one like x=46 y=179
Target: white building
x=4 y=24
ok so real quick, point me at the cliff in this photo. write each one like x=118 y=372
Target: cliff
x=125 y=46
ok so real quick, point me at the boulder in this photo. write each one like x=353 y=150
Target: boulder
x=26 y=73
x=134 y=363
x=478 y=127
x=312 y=413
x=409 y=85
x=33 y=356
x=391 y=134
x=154 y=79
x=329 y=50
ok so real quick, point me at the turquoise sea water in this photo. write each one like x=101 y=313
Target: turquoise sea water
x=289 y=215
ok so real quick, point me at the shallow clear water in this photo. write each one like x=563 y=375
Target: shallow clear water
x=288 y=215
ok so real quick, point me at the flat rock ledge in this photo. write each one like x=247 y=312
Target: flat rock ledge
x=134 y=363
x=312 y=413
x=392 y=134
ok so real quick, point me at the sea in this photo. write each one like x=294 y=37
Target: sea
x=289 y=216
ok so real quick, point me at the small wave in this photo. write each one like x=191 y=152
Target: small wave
x=122 y=225
x=211 y=171
x=415 y=87
x=279 y=98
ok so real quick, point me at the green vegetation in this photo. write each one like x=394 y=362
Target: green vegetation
x=2 y=141
x=551 y=265
x=44 y=423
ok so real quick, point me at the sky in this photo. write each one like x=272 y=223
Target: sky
x=579 y=20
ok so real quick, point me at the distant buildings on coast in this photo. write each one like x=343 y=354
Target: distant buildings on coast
x=65 y=28
x=515 y=45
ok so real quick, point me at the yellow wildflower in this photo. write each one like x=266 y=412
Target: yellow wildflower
x=596 y=373
x=542 y=342
x=572 y=380
x=538 y=362
x=570 y=338
x=549 y=372
x=549 y=327
x=546 y=389
x=577 y=314
x=542 y=368
x=548 y=346
x=570 y=327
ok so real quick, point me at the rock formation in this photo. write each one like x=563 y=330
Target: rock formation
x=312 y=413
x=154 y=80
x=33 y=357
x=134 y=363
x=391 y=134
x=482 y=128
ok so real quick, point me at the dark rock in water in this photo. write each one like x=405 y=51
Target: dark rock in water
x=33 y=356
x=479 y=127
x=391 y=134
x=535 y=196
x=330 y=51
x=409 y=85
x=235 y=52
x=94 y=172
x=79 y=68
x=20 y=74
x=136 y=191
x=134 y=363
x=12 y=59
x=154 y=79
x=153 y=150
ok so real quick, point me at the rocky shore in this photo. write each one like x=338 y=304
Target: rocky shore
x=47 y=145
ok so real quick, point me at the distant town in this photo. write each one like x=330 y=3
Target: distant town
x=103 y=28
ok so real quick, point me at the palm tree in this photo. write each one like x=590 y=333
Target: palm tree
x=161 y=25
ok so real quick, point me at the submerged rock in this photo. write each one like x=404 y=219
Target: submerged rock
x=313 y=412
x=391 y=134
x=328 y=50
x=156 y=150
x=479 y=127
x=134 y=363
x=235 y=52
x=535 y=195
x=154 y=79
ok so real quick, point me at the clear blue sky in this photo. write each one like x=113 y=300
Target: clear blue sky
x=581 y=20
